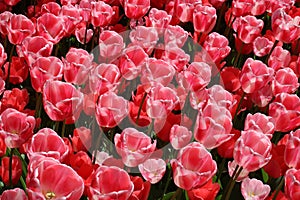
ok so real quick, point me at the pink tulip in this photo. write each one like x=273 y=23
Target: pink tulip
x=51 y=27
x=135 y=9
x=77 y=65
x=285 y=28
x=4 y=19
x=110 y=44
x=156 y=71
x=19 y=27
x=193 y=167
x=104 y=78
x=162 y=100
x=292 y=184
x=133 y=146
x=101 y=14
x=263 y=96
x=231 y=168
x=145 y=37
x=106 y=184
x=252 y=150
x=153 y=170
x=184 y=9
x=131 y=61
x=14 y=194
x=34 y=47
x=61 y=100
x=285 y=110
x=286 y=81
x=180 y=136
x=54 y=181
x=242 y=7
x=262 y=46
x=255 y=74
x=260 y=122
x=279 y=58
x=213 y=126
x=111 y=109
x=159 y=19
x=43 y=69
x=71 y=15
x=51 y=7
x=175 y=35
x=3 y=55
x=253 y=189
x=81 y=36
x=292 y=150
x=16 y=127
x=204 y=18
x=176 y=57
x=48 y=143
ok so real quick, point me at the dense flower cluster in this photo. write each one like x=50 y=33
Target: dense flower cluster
x=201 y=98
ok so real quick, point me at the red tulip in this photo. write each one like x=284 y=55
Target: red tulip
x=204 y=18
x=292 y=150
x=19 y=27
x=106 y=184
x=43 y=69
x=242 y=7
x=82 y=164
x=16 y=127
x=33 y=48
x=111 y=109
x=18 y=70
x=13 y=194
x=101 y=14
x=285 y=111
x=141 y=189
x=48 y=143
x=194 y=167
x=81 y=139
x=252 y=150
x=134 y=147
x=61 y=100
x=231 y=78
x=255 y=74
x=77 y=65
x=225 y=150
x=286 y=81
x=135 y=9
x=292 y=184
x=50 y=7
x=206 y=192
x=51 y=27
x=16 y=168
x=15 y=98
x=4 y=19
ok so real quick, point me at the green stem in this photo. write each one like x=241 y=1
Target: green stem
x=56 y=126
x=63 y=129
x=23 y=183
x=238 y=108
x=140 y=108
x=150 y=128
x=168 y=180
x=238 y=55
x=38 y=107
x=278 y=188
x=231 y=183
x=221 y=168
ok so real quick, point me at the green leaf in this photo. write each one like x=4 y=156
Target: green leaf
x=219 y=197
x=265 y=175
x=186 y=195
x=168 y=196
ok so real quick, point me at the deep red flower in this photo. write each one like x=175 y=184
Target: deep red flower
x=15 y=98
x=206 y=192
x=141 y=189
x=16 y=169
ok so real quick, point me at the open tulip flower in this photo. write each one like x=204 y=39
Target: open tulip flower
x=149 y=100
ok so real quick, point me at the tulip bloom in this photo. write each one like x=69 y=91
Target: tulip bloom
x=101 y=14
x=111 y=109
x=204 y=18
x=16 y=168
x=153 y=170
x=292 y=150
x=135 y=9
x=194 y=167
x=16 y=127
x=252 y=150
x=110 y=44
x=260 y=122
x=13 y=194
x=106 y=184
x=61 y=100
x=253 y=189
x=292 y=184
x=133 y=146
x=180 y=136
